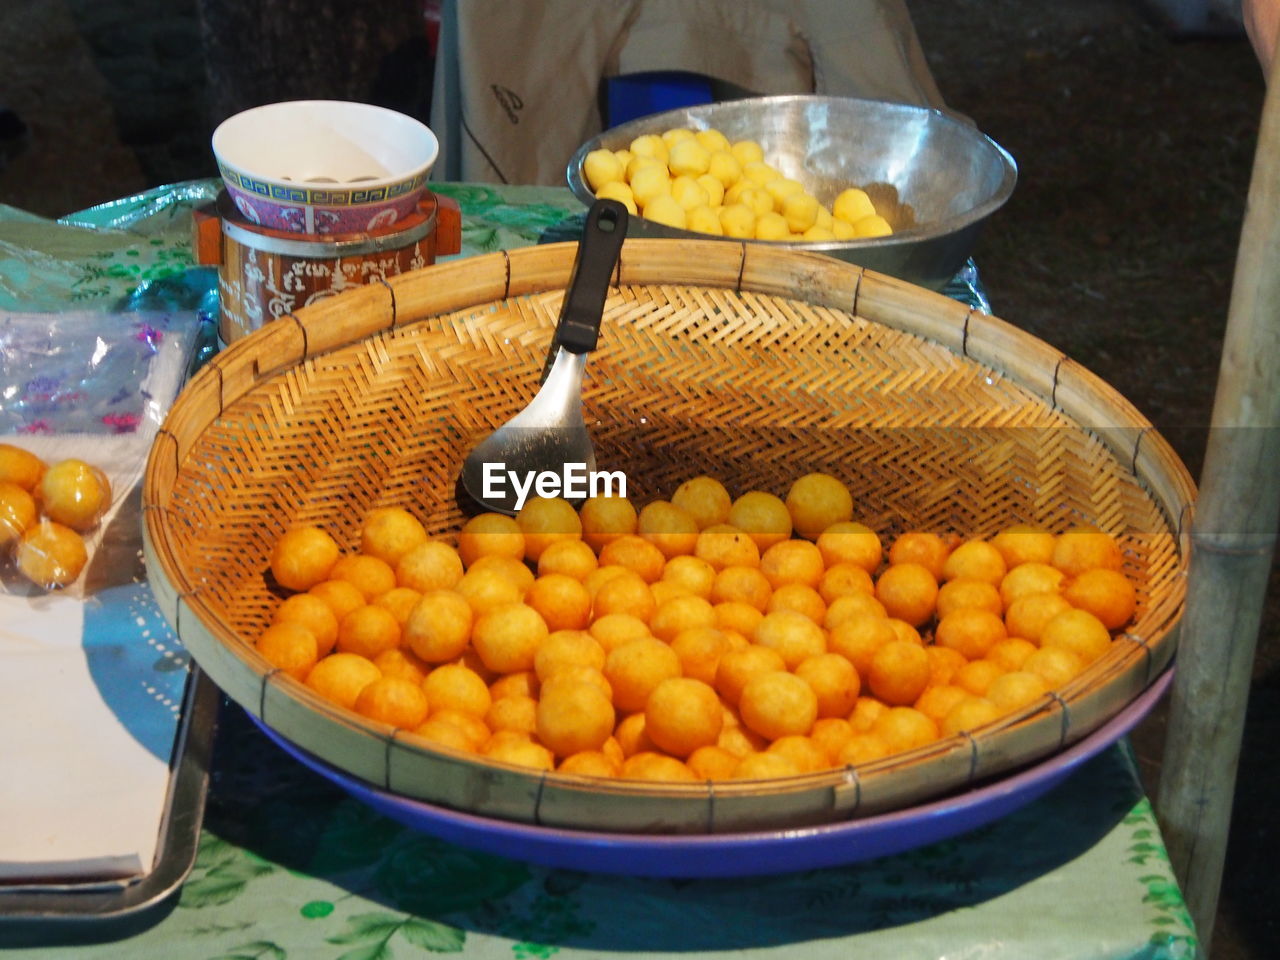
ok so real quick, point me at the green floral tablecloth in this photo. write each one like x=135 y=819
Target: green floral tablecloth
x=291 y=867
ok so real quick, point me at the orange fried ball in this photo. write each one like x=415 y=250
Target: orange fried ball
x=775 y=704
x=368 y=631
x=683 y=714
x=817 y=501
x=573 y=558
x=18 y=512
x=605 y=518
x=429 y=565
x=388 y=533
x=313 y=613
x=562 y=601
x=21 y=467
x=850 y=542
x=1084 y=548
x=1078 y=631
x=303 y=557
x=75 y=494
x=455 y=686
x=909 y=592
x=544 y=521
x=439 y=626
x=975 y=560
x=289 y=647
x=636 y=554
x=1105 y=593
x=507 y=638
x=1024 y=543
x=705 y=499
x=573 y=717
x=763 y=516
x=919 y=546
x=899 y=672
x=489 y=534
x=371 y=576
x=792 y=561
x=341 y=676
x=671 y=529
x=635 y=668
x=394 y=701
x=51 y=555
x=793 y=635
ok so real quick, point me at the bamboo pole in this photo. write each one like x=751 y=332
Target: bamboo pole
x=1233 y=539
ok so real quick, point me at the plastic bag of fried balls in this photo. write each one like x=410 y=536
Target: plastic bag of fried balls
x=44 y=512
x=698 y=637
x=700 y=181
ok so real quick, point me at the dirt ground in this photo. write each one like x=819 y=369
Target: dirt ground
x=1134 y=146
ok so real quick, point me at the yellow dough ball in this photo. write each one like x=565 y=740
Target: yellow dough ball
x=772 y=226
x=687 y=192
x=714 y=188
x=800 y=211
x=601 y=167
x=759 y=172
x=738 y=221
x=665 y=209
x=704 y=220
x=757 y=199
x=818 y=235
x=852 y=205
x=649 y=145
x=75 y=494
x=650 y=180
x=842 y=229
x=620 y=191
x=688 y=157
x=873 y=226
x=781 y=189
x=747 y=151
x=675 y=135
x=712 y=139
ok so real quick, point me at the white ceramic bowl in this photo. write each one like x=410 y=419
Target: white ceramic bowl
x=324 y=166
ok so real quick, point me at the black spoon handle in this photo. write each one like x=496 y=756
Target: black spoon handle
x=578 y=329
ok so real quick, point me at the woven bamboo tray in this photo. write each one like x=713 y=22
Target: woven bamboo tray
x=751 y=364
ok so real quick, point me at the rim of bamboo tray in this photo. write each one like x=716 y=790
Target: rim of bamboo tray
x=352 y=330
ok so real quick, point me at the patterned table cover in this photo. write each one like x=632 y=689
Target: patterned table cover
x=290 y=866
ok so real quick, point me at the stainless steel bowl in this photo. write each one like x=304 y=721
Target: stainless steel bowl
x=934 y=177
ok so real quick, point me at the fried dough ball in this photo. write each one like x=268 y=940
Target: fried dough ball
x=75 y=494
x=303 y=557
x=290 y=647
x=388 y=533
x=21 y=467
x=18 y=511
x=50 y=554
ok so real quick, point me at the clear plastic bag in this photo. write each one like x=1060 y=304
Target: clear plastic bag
x=93 y=387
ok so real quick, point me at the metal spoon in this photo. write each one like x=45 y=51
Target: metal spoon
x=549 y=434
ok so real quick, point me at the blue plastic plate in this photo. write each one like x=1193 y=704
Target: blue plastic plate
x=742 y=854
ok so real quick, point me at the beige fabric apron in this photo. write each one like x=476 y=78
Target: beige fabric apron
x=517 y=84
